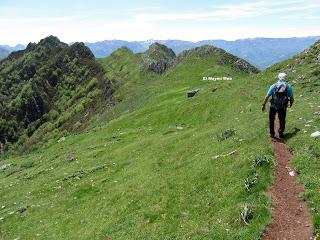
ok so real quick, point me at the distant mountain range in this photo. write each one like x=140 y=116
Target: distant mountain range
x=3 y=53
x=261 y=52
x=5 y=50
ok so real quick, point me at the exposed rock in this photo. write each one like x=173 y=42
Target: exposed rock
x=315 y=134
x=158 y=58
x=78 y=49
x=62 y=139
x=192 y=92
x=292 y=173
x=22 y=209
x=31 y=46
x=5 y=166
x=214 y=89
x=52 y=41
x=215 y=157
x=159 y=66
x=230 y=153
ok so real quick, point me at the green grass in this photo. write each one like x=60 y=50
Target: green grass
x=145 y=169
x=302 y=120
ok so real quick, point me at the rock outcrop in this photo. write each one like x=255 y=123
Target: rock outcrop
x=222 y=57
x=158 y=58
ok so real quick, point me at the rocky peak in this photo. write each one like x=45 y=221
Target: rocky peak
x=50 y=44
x=200 y=51
x=221 y=56
x=31 y=46
x=158 y=58
x=159 y=51
x=53 y=42
x=79 y=50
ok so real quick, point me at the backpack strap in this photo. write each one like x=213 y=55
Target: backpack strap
x=279 y=86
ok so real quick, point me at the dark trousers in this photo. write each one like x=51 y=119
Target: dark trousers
x=282 y=119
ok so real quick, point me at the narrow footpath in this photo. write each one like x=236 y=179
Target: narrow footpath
x=291 y=219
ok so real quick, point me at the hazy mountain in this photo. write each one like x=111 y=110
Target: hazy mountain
x=3 y=53
x=14 y=48
x=105 y=48
x=261 y=52
x=264 y=52
x=5 y=50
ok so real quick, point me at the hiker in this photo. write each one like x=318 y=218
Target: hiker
x=281 y=94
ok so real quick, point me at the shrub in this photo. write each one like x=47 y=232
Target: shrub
x=226 y=134
x=315 y=151
x=251 y=181
x=53 y=115
x=262 y=160
x=94 y=94
x=76 y=126
x=246 y=213
x=93 y=82
x=27 y=165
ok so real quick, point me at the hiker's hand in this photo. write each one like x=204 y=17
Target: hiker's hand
x=263 y=107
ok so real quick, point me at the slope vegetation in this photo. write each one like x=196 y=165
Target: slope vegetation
x=48 y=85
x=303 y=119
x=158 y=165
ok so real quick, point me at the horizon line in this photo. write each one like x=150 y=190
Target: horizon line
x=167 y=39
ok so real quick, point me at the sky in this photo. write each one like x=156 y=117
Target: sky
x=22 y=22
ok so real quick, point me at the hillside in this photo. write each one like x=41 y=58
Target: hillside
x=303 y=119
x=264 y=52
x=156 y=165
x=161 y=165
x=45 y=88
x=261 y=52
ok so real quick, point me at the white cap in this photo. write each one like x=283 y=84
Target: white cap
x=282 y=76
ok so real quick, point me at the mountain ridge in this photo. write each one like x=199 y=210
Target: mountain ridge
x=261 y=52
x=43 y=81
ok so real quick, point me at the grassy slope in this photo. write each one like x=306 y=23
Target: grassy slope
x=148 y=172
x=303 y=73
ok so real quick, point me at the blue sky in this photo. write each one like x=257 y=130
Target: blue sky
x=94 y=20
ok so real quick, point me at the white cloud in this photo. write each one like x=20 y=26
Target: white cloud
x=68 y=29
x=244 y=10
x=135 y=26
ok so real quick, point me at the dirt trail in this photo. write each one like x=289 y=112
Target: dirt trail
x=290 y=216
